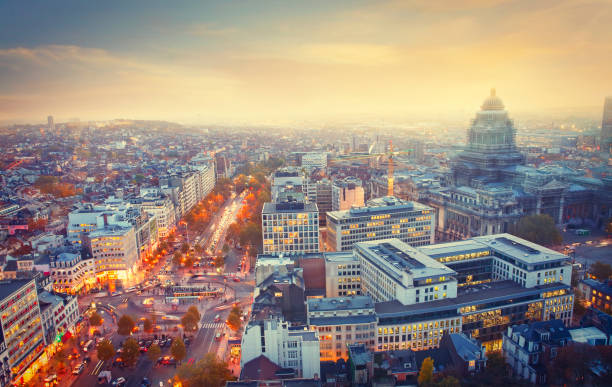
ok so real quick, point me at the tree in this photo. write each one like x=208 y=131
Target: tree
x=194 y=310
x=131 y=351
x=209 y=371
x=572 y=364
x=60 y=358
x=225 y=248
x=219 y=261
x=190 y=321
x=426 y=373
x=95 y=320
x=154 y=352
x=189 y=261
x=601 y=271
x=184 y=248
x=496 y=372
x=178 y=349
x=147 y=325
x=233 y=320
x=198 y=249
x=125 y=325
x=176 y=258
x=448 y=381
x=540 y=229
x=105 y=350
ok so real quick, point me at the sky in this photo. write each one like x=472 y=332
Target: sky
x=241 y=62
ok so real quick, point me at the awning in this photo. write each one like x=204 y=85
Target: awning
x=66 y=336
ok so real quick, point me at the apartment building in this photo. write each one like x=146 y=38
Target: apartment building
x=342 y=274
x=70 y=274
x=381 y=218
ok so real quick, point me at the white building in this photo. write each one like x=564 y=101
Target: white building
x=71 y=275
x=393 y=270
x=59 y=315
x=341 y=321
x=347 y=193
x=381 y=218
x=342 y=274
x=288 y=348
x=290 y=225
x=154 y=202
x=115 y=254
x=312 y=160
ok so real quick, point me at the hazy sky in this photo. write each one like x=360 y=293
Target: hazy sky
x=278 y=61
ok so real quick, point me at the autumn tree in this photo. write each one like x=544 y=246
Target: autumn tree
x=190 y=321
x=426 y=373
x=131 y=351
x=125 y=325
x=178 y=349
x=184 y=248
x=601 y=271
x=95 y=320
x=219 y=261
x=209 y=371
x=177 y=258
x=105 y=350
x=147 y=325
x=154 y=352
x=233 y=320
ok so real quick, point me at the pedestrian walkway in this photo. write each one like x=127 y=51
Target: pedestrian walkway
x=213 y=325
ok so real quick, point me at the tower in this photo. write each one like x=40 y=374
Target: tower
x=50 y=124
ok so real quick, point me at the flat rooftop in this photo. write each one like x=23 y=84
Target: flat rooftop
x=520 y=249
x=403 y=257
x=339 y=303
x=273 y=208
x=386 y=204
x=8 y=287
x=494 y=291
x=453 y=248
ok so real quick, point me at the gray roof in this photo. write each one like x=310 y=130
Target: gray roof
x=342 y=320
x=8 y=287
x=339 y=303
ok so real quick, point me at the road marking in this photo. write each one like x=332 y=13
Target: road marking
x=97 y=368
x=213 y=325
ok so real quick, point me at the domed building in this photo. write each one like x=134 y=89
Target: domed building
x=491 y=146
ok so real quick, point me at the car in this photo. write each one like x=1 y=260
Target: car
x=119 y=382
x=236 y=279
x=143 y=349
x=78 y=369
x=86 y=359
x=145 y=382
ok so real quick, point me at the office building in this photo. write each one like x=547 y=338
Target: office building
x=342 y=274
x=288 y=347
x=381 y=218
x=290 y=225
x=596 y=294
x=347 y=193
x=312 y=160
x=606 y=126
x=50 y=124
x=22 y=331
x=392 y=270
x=342 y=321
x=59 y=316
x=115 y=255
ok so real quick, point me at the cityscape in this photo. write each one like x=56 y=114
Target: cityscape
x=298 y=194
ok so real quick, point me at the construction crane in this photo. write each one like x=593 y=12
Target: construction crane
x=390 y=167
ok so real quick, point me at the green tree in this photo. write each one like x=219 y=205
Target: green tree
x=496 y=373
x=540 y=229
x=131 y=351
x=426 y=373
x=209 y=371
x=601 y=271
x=154 y=352
x=233 y=320
x=178 y=349
x=147 y=325
x=95 y=320
x=125 y=325
x=105 y=350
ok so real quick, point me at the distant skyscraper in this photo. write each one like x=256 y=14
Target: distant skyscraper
x=606 y=125
x=50 y=123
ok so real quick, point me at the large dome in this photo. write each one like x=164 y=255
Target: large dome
x=492 y=102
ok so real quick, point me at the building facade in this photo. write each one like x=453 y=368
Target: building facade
x=386 y=217
x=342 y=274
x=347 y=193
x=72 y=275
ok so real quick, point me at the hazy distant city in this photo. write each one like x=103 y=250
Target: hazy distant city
x=300 y=194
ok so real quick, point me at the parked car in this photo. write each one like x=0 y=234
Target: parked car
x=119 y=382
x=78 y=369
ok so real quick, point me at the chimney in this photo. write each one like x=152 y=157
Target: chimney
x=105 y=220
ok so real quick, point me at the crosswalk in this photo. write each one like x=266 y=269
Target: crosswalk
x=97 y=368
x=213 y=325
